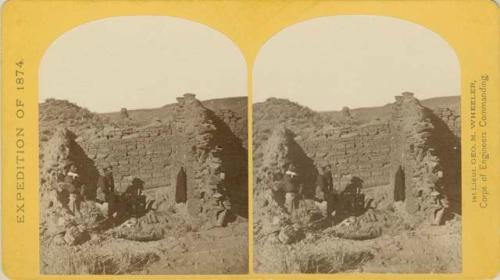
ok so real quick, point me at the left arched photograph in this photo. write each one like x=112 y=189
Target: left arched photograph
x=143 y=150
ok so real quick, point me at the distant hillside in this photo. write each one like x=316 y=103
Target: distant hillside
x=232 y=110
x=451 y=102
x=306 y=122
x=268 y=114
x=383 y=112
x=144 y=116
x=54 y=113
x=235 y=104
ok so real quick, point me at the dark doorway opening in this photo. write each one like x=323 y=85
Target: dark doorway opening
x=399 y=185
x=181 y=187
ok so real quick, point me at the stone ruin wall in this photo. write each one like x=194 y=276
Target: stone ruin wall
x=361 y=151
x=195 y=139
x=367 y=151
x=427 y=150
x=151 y=154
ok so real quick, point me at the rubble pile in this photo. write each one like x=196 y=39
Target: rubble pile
x=57 y=224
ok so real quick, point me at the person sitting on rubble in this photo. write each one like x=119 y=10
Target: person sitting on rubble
x=354 y=186
x=352 y=196
x=442 y=205
x=224 y=209
x=222 y=201
x=291 y=188
x=106 y=189
x=134 y=199
x=324 y=190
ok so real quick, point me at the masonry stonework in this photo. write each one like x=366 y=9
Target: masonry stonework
x=195 y=138
x=421 y=143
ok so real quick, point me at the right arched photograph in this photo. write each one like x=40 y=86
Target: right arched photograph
x=356 y=149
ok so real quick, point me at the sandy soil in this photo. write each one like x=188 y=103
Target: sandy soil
x=382 y=240
x=203 y=251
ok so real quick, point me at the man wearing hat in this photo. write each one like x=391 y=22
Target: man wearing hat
x=442 y=204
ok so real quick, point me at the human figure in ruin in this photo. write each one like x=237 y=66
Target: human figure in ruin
x=62 y=193
x=221 y=203
x=86 y=192
x=181 y=187
x=133 y=198
x=442 y=205
x=354 y=186
x=224 y=209
x=291 y=188
x=72 y=185
x=324 y=190
x=352 y=197
x=106 y=189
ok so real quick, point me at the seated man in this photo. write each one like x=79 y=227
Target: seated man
x=134 y=200
x=442 y=205
x=224 y=209
x=352 y=198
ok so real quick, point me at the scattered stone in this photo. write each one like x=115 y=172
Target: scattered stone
x=76 y=235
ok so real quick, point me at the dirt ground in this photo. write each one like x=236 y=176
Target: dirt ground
x=401 y=253
x=382 y=240
x=215 y=250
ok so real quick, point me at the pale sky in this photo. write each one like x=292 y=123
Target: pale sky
x=141 y=62
x=356 y=61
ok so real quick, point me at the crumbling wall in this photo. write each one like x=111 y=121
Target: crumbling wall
x=279 y=152
x=192 y=136
x=360 y=151
x=424 y=143
x=195 y=138
x=61 y=151
x=427 y=151
x=351 y=149
x=144 y=153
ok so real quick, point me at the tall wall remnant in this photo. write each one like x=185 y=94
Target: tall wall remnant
x=281 y=150
x=426 y=151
